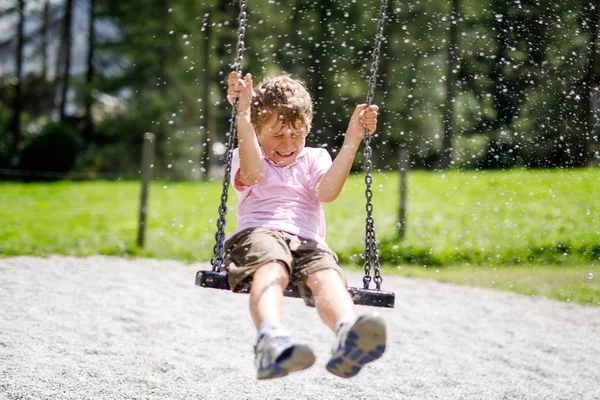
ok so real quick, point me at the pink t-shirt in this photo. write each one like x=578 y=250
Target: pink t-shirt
x=284 y=199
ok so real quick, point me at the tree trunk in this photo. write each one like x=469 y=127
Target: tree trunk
x=89 y=77
x=318 y=85
x=447 y=158
x=57 y=70
x=206 y=140
x=67 y=36
x=291 y=56
x=591 y=18
x=17 y=100
x=384 y=121
x=45 y=27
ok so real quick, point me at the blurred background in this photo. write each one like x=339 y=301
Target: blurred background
x=501 y=83
x=493 y=105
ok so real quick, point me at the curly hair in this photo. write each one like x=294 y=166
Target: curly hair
x=284 y=96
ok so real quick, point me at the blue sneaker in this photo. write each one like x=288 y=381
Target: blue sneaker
x=357 y=345
x=277 y=355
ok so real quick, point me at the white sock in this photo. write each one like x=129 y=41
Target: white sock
x=267 y=326
x=343 y=321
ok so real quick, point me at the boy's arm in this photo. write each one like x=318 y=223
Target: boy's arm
x=331 y=183
x=251 y=165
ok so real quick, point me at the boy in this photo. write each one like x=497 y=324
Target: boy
x=280 y=234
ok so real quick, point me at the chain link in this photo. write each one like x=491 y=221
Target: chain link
x=218 y=260
x=371 y=253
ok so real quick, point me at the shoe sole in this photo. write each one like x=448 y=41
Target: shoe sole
x=302 y=357
x=365 y=343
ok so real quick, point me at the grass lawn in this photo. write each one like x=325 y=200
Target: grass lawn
x=510 y=221
x=579 y=284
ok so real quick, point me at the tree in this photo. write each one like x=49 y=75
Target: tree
x=206 y=140
x=590 y=14
x=415 y=59
x=447 y=159
x=44 y=33
x=66 y=56
x=385 y=74
x=17 y=100
x=521 y=80
x=89 y=76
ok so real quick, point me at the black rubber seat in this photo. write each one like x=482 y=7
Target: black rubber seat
x=360 y=296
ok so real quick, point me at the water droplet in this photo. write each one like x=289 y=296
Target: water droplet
x=590 y=276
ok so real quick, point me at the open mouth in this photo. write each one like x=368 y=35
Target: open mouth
x=285 y=155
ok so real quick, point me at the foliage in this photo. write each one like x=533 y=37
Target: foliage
x=521 y=76
x=54 y=151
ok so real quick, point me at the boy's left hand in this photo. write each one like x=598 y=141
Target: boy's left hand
x=362 y=118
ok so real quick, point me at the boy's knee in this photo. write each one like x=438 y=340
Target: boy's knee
x=324 y=277
x=275 y=266
x=275 y=270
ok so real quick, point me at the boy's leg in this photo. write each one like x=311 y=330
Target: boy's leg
x=276 y=354
x=266 y=292
x=359 y=341
x=332 y=300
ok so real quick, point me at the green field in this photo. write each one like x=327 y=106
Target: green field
x=514 y=222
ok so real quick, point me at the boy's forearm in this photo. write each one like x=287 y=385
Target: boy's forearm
x=332 y=182
x=251 y=167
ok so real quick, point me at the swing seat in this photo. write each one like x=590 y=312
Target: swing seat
x=363 y=297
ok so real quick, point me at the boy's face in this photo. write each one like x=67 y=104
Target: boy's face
x=281 y=142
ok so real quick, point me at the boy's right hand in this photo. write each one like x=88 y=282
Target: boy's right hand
x=241 y=89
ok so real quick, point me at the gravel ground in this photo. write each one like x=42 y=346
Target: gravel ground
x=113 y=328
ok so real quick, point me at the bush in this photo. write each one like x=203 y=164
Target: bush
x=4 y=150
x=501 y=155
x=52 y=154
x=5 y=136
x=116 y=146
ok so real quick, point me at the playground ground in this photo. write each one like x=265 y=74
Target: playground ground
x=115 y=328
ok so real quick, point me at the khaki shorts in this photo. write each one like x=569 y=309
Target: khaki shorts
x=250 y=249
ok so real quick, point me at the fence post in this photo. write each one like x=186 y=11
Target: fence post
x=146 y=176
x=404 y=165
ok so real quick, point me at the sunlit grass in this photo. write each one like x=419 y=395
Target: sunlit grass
x=579 y=284
x=490 y=217
x=487 y=219
x=84 y=218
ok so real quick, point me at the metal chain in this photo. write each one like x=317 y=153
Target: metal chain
x=371 y=252
x=218 y=260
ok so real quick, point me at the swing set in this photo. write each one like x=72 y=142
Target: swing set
x=217 y=277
